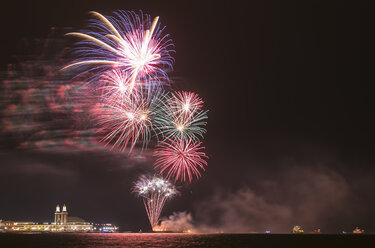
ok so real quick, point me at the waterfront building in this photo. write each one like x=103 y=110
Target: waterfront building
x=61 y=217
x=62 y=223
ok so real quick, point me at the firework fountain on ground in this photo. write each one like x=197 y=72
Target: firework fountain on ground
x=124 y=59
x=155 y=191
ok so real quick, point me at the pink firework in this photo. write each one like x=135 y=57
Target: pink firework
x=184 y=104
x=181 y=159
x=115 y=86
x=126 y=122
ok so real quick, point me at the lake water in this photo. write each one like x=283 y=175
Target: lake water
x=98 y=240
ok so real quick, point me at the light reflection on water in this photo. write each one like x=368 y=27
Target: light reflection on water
x=177 y=240
x=99 y=240
x=140 y=240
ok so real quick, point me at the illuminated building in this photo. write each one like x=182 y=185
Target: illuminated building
x=62 y=223
x=61 y=218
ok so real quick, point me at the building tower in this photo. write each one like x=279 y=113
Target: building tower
x=57 y=215
x=64 y=216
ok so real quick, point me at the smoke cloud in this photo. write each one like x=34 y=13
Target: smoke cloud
x=179 y=222
x=308 y=197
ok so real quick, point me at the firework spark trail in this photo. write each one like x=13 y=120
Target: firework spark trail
x=180 y=116
x=182 y=159
x=128 y=121
x=115 y=87
x=155 y=191
x=185 y=104
x=129 y=42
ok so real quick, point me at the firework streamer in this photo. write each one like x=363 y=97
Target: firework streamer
x=155 y=191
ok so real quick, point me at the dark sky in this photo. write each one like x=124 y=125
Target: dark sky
x=290 y=128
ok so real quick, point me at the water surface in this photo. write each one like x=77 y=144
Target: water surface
x=97 y=240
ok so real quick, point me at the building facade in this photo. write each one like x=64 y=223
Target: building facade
x=61 y=224
x=61 y=217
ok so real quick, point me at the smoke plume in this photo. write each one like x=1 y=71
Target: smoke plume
x=300 y=196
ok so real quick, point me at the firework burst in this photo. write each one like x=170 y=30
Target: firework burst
x=155 y=191
x=180 y=116
x=128 y=121
x=128 y=42
x=185 y=104
x=114 y=86
x=181 y=159
x=125 y=59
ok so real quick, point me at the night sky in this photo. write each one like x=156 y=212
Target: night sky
x=290 y=125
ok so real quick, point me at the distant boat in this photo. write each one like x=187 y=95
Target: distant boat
x=317 y=231
x=358 y=231
x=297 y=230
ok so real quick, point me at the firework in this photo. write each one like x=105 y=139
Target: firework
x=127 y=56
x=128 y=121
x=180 y=116
x=114 y=86
x=181 y=159
x=185 y=104
x=155 y=191
x=128 y=42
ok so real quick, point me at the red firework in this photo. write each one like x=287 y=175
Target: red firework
x=181 y=159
